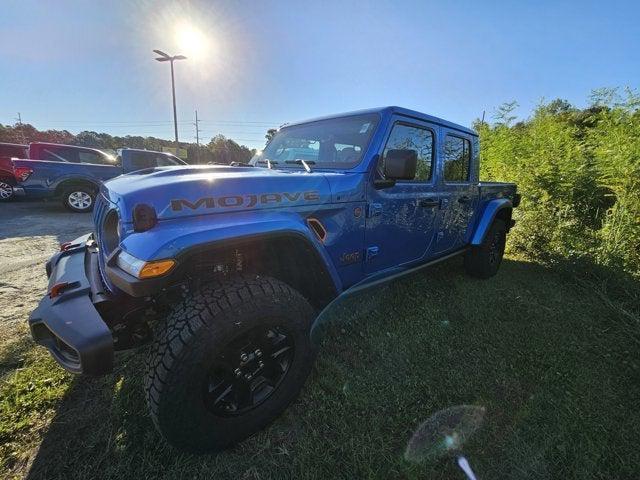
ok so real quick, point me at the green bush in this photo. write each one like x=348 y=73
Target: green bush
x=579 y=175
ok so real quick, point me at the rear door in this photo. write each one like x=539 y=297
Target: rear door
x=401 y=219
x=459 y=190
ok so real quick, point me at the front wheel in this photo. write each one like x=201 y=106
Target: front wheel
x=79 y=199
x=483 y=261
x=227 y=361
x=6 y=191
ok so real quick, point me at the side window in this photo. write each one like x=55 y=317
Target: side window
x=87 y=156
x=60 y=154
x=457 y=156
x=141 y=160
x=166 y=160
x=407 y=137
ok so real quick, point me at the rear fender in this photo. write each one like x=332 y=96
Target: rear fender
x=488 y=216
x=61 y=182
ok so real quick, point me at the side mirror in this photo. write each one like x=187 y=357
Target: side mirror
x=400 y=164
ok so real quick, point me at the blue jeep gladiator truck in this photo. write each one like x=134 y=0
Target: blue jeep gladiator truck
x=228 y=271
x=74 y=173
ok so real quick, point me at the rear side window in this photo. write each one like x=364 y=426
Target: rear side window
x=87 y=156
x=457 y=156
x=409 y=137
x=60 y=154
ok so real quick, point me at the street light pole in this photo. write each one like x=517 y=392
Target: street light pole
x=164 y=57
x=175 y=116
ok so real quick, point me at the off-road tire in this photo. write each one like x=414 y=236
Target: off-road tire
x=71 y=202
x=484 y=260
x=189 y=339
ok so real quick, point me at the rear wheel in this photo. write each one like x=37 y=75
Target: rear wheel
x=228 y=361
x=6 y=191
x=79 y=199
x=484 y=260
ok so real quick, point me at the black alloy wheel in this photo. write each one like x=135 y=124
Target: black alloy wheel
x=248 y=371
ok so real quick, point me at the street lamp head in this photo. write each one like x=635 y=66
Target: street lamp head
x=162 y=54
x=165 y=57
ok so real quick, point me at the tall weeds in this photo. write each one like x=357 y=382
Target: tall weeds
x=578 y=171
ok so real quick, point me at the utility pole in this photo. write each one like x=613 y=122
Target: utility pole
x=19 y=119
x=197 y=139
x=197 y=130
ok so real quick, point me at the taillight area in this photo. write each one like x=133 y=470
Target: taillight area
x=22 y=173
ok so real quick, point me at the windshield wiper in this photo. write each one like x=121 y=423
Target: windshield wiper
x=267 y=162
x=304 y=163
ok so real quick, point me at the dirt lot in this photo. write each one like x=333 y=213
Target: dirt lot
x=30 y=232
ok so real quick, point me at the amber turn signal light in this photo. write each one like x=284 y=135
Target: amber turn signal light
x=156 y=269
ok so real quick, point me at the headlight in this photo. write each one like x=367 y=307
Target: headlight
x=142 y=269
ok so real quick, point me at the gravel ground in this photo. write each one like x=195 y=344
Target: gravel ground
x=30 y=232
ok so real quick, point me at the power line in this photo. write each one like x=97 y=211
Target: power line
x=164 y=122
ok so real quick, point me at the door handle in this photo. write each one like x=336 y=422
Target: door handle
x=428 y=203
x=464 y=199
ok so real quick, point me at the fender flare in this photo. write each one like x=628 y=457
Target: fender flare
x=186 y=244
x=488 y=216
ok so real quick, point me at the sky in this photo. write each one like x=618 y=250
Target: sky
x=252 y=65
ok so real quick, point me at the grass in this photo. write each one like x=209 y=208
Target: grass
x=553 y=357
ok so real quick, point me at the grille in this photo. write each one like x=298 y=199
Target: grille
x=100 y=210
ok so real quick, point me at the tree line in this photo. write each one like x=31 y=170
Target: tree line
x=219 y=150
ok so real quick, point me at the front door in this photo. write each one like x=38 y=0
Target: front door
x=401 y=219
x=459 y=192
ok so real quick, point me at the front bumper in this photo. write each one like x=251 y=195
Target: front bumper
x=69 y=324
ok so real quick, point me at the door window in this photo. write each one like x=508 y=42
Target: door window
x=88 y=156
x=142 y=160
x=166 y=160
x=457 y=156
x=409 y=137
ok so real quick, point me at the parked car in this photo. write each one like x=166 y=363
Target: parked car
x=74 y=173
x=7 y=174
x=224 y=269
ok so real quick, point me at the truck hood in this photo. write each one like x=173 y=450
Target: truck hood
x=201 y=189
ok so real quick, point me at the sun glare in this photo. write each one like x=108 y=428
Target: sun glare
x=192 y=42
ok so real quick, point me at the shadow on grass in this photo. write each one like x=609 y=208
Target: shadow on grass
x=535 y=345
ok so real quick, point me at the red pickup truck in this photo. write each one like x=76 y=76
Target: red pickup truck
x=7 y=172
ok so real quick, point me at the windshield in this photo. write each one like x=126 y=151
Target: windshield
x=332 y=143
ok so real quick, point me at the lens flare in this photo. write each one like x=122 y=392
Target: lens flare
x=444 y=433
x=191 y=41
